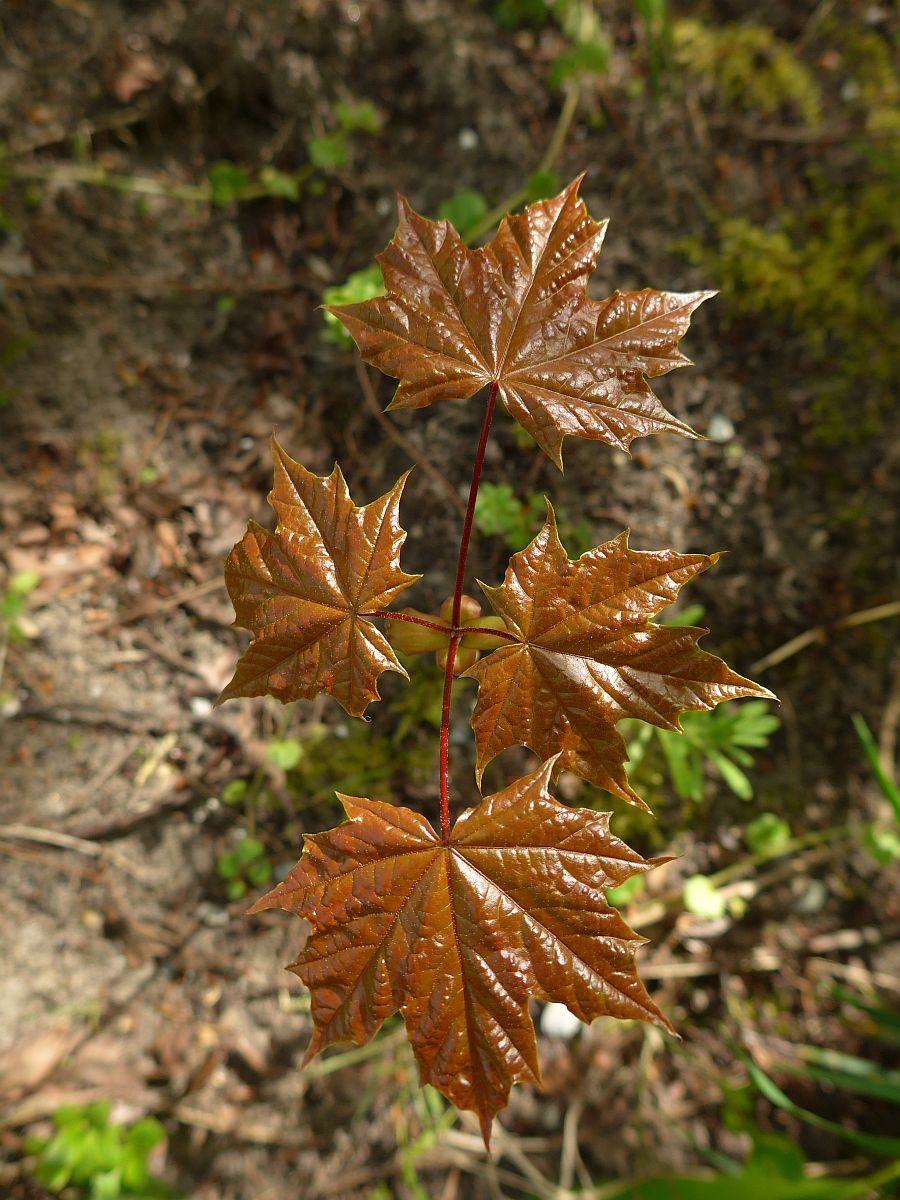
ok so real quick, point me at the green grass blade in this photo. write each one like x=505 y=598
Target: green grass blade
x=874 y=1143
x=870 y=748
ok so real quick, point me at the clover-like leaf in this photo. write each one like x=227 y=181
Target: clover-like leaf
x=515 y=312
x=303 y=590
x=588 y=655
x=458 y=936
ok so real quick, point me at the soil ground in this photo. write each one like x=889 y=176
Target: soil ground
x=153 y=342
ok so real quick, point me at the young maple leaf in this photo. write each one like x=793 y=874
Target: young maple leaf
x=515 y=312
x=301 y=590
x=588 y=655
x=457 y=936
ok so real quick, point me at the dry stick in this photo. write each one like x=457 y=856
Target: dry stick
x=457 y=603
x=820 y=633
x=402 y=440
x=554 y=146
x=49 y=281
x=66 y=841
x=163 y=605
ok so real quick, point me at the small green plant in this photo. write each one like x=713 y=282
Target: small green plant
x=359 y=286
x=244 y=867
x=880 y=838
x=13 y=601
x=229 y=182
x=656 y=20
x=775 y=1169
x=767 y=835
x=94 y=1158
x=498 y=510
x=284 y=752
x=329 y=151
x=722 y=739
x=845 y=1074
x=589 y=50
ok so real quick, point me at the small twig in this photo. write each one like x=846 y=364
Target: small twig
x=820 y=633
x=813 y=136
x=403 y=441
x=152 y=608
x=50 y=281
x=657 y=909
x=117 y=118
x=234 y=1127
x=554 y=147
x=66 y=841
x=569 y=1158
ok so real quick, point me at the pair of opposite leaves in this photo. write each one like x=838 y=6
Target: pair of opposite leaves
x=458 y=935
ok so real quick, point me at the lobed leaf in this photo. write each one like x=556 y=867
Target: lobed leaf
x=515 y=312
x=457 y=936
x=587 y=655
x=303 y=588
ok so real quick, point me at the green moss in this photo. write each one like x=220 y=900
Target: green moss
x=871 y=84
x=749 y=67
x=822 y=272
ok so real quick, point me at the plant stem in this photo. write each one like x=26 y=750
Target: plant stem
x=399 y=616
x=470 y=507
x=441 y=628
x=554 y=147
x=445 y=740
x=457 y=602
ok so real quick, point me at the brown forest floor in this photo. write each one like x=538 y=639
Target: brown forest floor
x=134 y=446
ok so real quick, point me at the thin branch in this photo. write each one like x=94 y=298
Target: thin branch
x=50 y=281
x=66 y=841
x=820 y=633
x=402 y=440
x=554 y=147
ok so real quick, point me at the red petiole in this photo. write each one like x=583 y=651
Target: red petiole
x=458 y=629
x=444 y=768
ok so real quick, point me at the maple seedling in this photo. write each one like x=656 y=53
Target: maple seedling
x=457 y=927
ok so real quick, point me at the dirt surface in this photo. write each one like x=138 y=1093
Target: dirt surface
x=153 y=342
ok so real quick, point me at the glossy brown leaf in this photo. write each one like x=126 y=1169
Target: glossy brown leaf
x=589 y=655
x=458 y=936
x=301 y=590
x=516 y=312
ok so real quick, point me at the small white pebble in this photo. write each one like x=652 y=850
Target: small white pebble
x=468 y=139
x=384 y=205
x=201 y=706
x=721 y=428
x=557 y=1021
x=247 y=442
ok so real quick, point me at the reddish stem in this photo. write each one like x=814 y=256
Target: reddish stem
x=460 y=629
x=398 y=616
x=445 y=741
x=457 y=602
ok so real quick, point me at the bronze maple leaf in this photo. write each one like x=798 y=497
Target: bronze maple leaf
x=588 y=655
x=457 y=936
x=515 y=312
x=302 y=589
